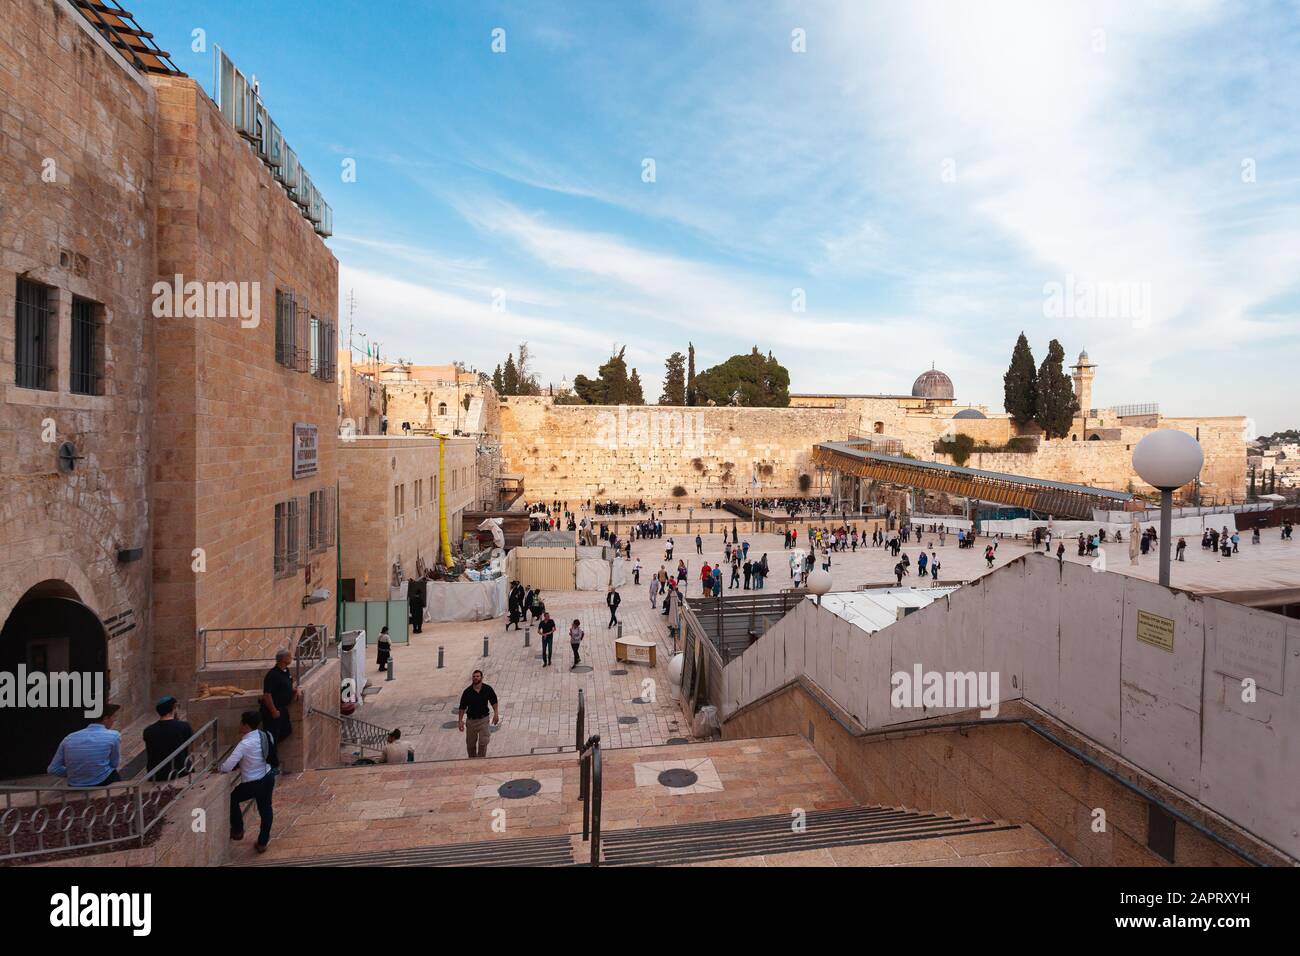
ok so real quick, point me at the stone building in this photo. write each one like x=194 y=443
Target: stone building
x=390 y=489
x=168 y=448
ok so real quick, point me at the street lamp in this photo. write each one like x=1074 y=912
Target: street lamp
x=819 y=582
x=1167 y=459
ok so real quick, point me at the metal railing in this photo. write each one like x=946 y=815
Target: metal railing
x=243 y=645
x=582 y=721
x=590 y=791
x=358 y=733
x=38 y=821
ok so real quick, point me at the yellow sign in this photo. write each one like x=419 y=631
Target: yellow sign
x=1156 y=631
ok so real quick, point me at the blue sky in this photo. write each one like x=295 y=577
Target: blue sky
x=925 y=172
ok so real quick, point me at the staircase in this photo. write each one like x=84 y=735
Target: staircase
x=685 y=843
x=761 y=836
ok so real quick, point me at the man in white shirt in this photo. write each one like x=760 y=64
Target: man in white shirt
x=395 y=751
x=256 y=759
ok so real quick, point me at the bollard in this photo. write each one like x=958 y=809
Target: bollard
x=528 y=637
x=390 y=669
x=440 y=650
x=620 y=630
x=485 y=645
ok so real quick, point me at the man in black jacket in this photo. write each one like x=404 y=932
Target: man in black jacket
x=612 y=601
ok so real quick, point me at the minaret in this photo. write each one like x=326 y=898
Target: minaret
x=1083 y=373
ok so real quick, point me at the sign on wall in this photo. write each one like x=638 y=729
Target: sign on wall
x=305 y=450
x=1155 y=630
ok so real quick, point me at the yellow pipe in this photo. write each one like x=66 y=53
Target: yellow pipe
x=443 y=537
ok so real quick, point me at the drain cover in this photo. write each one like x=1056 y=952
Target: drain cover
x=640 y=700
x=628 y=720
x=520 y=788
x=581 y=669
x=451 y=725
x=618 y=673
x=678 y=777
x=677 y=740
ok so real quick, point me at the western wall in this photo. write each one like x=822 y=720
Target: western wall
x=587 y=451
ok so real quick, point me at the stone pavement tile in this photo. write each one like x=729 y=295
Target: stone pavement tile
x=974 y=844
x=821 y=857
x=1042 y=856
x=960 y=861
x=890 y=854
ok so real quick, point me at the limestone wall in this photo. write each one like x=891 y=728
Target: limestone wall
x=77 y=175
x=225 y=409
x=588 y=451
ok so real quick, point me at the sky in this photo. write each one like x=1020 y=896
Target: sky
x=863 y=189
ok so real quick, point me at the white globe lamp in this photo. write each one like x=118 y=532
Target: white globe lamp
x=1167 y=459
x=819 y=582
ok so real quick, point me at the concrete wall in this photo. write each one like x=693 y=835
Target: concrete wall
x=1063 y=638
x=225 y=408
x=71 y=109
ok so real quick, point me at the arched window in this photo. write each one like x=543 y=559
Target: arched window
x=442 y=408
x=1094 y=437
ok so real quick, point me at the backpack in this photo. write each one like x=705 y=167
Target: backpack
x=269 y=753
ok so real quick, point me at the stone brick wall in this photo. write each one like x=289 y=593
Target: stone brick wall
x=373 y=537
x=225 y=408
x=77 y=176
x=583 y=451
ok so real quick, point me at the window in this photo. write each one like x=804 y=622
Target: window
x=314 y=338
x=325 y=350
x=321 y=520
x=33 y=335
x=286 y=328
x=419 y=493
x=399 y=500
x=287 y=531
x=87 y=347
x=442 y=408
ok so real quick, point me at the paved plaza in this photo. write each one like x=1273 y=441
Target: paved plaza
x=631 y=704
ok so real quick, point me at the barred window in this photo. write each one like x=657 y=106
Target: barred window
x=321 y=522
x=33 y=336
x=313 y=363
x=87 y=347
x=287 y=533
x=286 y=328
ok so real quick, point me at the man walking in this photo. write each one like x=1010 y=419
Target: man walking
x=474 y=701
x=576 y=635
x=547 y=629
x=256 y=757
x=699 y=545
x=612 y=600
x=416 y=592
x=89 y=757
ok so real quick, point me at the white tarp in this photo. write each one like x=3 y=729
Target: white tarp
x=466 y=600
x=494 y=525
x=593 y=574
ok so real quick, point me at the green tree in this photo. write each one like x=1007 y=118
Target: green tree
x=612 y=384
x=497 y=382
x=1020 y=384
x=674 y=380
x=635 y=394
x=1056 y=405
x=692 y=395
x=510 y=377
x=752 y=380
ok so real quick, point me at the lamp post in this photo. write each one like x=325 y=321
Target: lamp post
x=1167 y=459
x=819 y=582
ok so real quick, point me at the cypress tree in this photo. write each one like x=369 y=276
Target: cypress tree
x=1020 y=384
x=674 y=380
x=690 y=373
x=1057 y=405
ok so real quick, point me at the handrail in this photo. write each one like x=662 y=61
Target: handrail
x=582 y=720
x=353 y=730
x=860 y=732
x=590 y=791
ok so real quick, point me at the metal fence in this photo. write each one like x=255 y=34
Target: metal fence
x=243 y=645
x=357 y=733
x=38 y=821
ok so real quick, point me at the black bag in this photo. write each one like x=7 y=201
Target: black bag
x=269 y=753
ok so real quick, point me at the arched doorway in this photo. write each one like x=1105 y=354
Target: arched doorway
x=48 y=631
